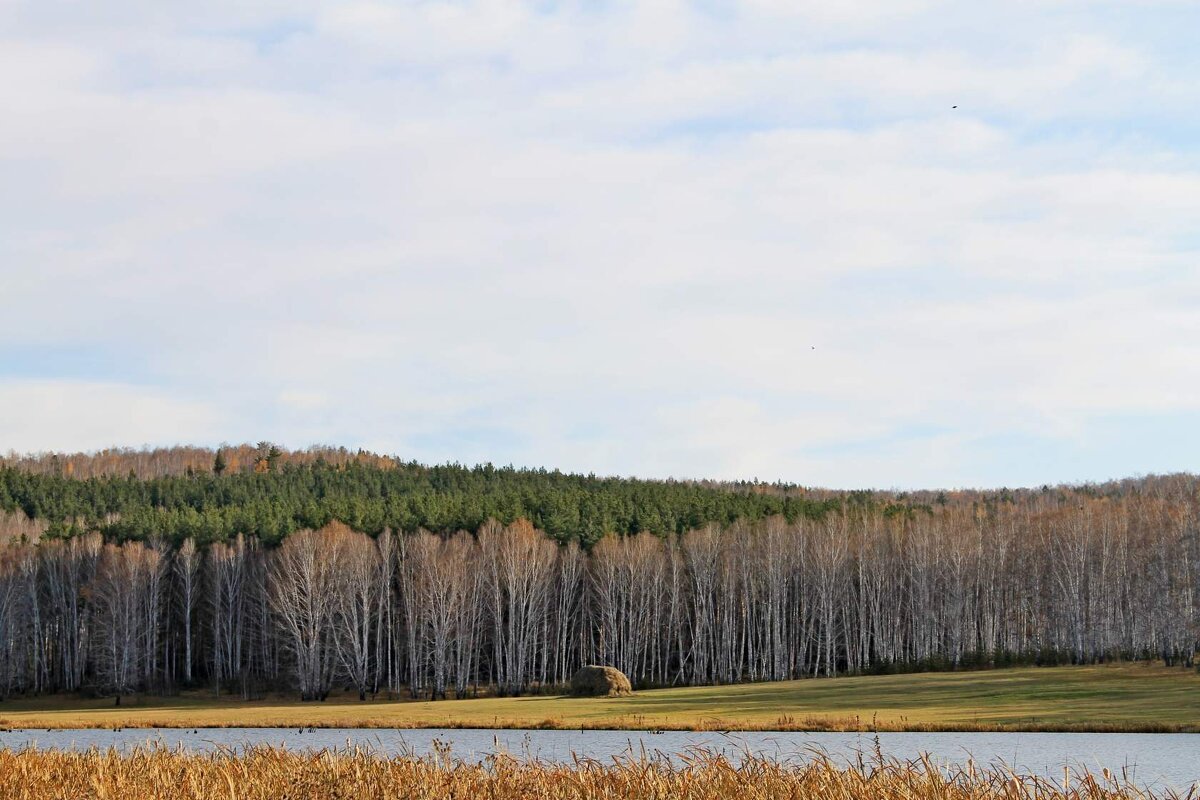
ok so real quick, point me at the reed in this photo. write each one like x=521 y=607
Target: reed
x=276 y=774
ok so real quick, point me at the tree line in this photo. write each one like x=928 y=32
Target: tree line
x=1047 y=577
x=266 y=493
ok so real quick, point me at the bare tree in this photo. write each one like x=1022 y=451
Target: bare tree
x=518 y=565
x=357 y=585
x=187 y=571
x=125 y=598
x=385 y=576
x=305 y=597
x=228 y=572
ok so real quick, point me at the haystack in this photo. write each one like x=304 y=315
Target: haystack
x=598 y=681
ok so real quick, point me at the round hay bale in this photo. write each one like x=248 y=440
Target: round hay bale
x=597 y=681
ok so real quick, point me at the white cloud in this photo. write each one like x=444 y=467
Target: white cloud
x=70 y=415
x=604 y=239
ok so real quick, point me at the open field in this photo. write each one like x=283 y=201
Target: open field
x=270 y=773
x=1131 y=697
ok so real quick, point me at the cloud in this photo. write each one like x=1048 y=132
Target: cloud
x=70 y=415
x=645 y=238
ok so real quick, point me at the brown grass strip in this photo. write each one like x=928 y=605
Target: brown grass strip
x=275 y=774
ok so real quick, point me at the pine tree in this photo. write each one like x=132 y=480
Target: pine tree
x=273 y=456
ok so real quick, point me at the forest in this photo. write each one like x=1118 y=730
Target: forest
x=268 y=493
x=253 y=569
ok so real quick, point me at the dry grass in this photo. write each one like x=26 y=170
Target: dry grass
x=273 y=774
x=1124 y=697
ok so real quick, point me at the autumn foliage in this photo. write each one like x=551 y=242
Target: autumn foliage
x=853 y=583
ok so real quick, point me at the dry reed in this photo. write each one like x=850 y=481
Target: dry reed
x=275 y=774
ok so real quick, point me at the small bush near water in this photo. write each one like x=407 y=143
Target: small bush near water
x=274 y=774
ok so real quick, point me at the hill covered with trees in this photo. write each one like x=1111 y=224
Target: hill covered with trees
x=256 y=569
x=267 y=493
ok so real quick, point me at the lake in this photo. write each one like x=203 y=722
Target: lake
x=1155 y=760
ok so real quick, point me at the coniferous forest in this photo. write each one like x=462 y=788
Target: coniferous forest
x=252 y=569
x=266 y=493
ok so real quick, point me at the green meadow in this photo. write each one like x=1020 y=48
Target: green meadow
x=1128 y=697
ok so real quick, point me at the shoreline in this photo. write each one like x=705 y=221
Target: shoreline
x=8 y=725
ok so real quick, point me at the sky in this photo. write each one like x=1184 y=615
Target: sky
x=890 y=244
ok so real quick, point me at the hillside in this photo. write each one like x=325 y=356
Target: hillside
x=268 y=492
x=310 y=574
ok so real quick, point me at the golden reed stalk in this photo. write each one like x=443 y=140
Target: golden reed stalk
x=275 y=774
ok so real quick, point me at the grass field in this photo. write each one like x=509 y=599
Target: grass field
x=1135 y=697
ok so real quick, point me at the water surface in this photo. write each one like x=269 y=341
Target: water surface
x=1155 y=760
